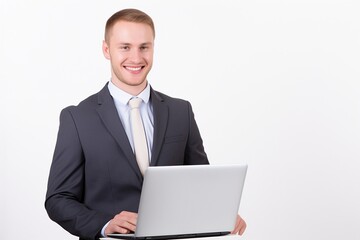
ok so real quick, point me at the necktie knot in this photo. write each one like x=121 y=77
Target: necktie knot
x=135 y=102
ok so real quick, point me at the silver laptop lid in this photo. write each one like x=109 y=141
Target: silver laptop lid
x=178 y=200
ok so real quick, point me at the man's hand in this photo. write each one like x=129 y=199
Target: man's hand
x=240 y=226
x=124 y=222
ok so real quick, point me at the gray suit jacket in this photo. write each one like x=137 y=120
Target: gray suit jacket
x=94 y=174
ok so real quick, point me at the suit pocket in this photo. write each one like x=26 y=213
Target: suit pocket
x=172 y=139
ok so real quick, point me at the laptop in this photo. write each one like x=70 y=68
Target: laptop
x=188 y=201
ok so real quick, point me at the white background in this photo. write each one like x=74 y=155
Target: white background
x=288 y=70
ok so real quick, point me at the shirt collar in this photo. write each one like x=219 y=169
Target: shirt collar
x=124 y=97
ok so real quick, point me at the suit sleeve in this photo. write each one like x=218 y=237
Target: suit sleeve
x=66 y=184
x=194 y=153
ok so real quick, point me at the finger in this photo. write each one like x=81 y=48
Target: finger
x=236 y=230
x=130 y=217
x=242 y=226
x=122 y=230
x=237 y=225
x=113 y=228
x=119 y=227
x=242 y=230
x=124 y=222
x=127 y=225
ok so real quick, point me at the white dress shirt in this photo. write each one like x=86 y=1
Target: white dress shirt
x=121 y=100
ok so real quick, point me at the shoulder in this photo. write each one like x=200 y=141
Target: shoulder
x=90 y=103
x=168 y=99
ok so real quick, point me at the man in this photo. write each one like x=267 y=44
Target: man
x=95 y=181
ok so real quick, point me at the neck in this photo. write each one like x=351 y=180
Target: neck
x=133 y=90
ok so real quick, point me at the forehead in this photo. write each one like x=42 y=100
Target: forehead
x=131 y=32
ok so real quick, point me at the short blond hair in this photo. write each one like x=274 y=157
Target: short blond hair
x=128 y=15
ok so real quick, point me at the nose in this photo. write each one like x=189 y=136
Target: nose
x=135 y=56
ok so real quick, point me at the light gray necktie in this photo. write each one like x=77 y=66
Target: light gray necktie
x=138 y=133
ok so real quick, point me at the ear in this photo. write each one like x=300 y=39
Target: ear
x=106 y=50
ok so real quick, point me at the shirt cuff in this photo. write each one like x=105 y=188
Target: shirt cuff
x=103 y=229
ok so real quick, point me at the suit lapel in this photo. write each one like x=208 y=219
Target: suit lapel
x=112 y=122
x=161 y=113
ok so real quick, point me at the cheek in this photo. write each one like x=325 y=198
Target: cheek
x=149 y=58
x=148 y=55
x=118 y=59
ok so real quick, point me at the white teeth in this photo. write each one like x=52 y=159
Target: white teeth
x=133 y=68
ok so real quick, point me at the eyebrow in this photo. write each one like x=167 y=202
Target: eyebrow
x=128 y=44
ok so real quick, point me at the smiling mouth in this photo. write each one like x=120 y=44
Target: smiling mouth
x=133 y=69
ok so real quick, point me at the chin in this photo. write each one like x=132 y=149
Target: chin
x=136 y=83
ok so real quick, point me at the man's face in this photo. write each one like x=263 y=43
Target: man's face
x=130 y=49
